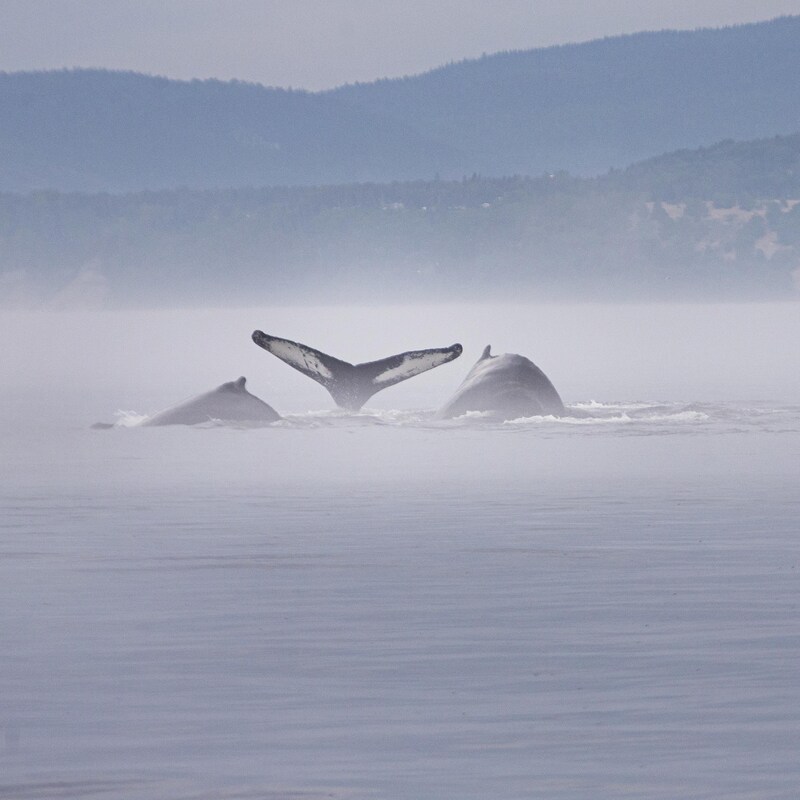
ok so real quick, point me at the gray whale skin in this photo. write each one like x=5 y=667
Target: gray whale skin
x=230 y=402
x=508 y=386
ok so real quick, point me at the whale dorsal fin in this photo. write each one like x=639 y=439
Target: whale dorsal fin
x=352 y=385
x=234 y=386
x=487 y=353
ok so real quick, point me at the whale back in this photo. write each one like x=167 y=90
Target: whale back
x=229 y=402
x=508 y=386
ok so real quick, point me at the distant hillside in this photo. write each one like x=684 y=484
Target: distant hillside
x=741 y=172
x=588 y=107
x=578 y=108
x=92 y=130
x=716 y=223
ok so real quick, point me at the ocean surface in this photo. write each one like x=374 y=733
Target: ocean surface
x=387 y=606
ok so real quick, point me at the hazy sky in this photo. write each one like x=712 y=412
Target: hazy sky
x=321 y=43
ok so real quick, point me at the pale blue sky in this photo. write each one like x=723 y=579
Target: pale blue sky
x=321 y=43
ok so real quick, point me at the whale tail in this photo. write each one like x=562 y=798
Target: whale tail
x=351 y=385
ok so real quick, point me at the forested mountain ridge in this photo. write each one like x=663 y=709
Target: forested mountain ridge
x=588 y=107
x=580 y=108
x=647 y=233
x=96 y=130
x=739 y=172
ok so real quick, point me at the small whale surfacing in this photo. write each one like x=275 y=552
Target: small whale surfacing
x=229 y=402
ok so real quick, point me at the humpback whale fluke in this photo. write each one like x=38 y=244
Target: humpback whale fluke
x=351 y=385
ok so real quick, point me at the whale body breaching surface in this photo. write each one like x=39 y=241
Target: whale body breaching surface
x=507 y=386
x=351 y=385
x=229 y=402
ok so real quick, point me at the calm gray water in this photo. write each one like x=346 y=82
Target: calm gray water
x=384 y=606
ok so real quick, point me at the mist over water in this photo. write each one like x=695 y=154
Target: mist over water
x=386 y=605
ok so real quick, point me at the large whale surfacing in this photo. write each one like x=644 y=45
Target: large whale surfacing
x=507 y=386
